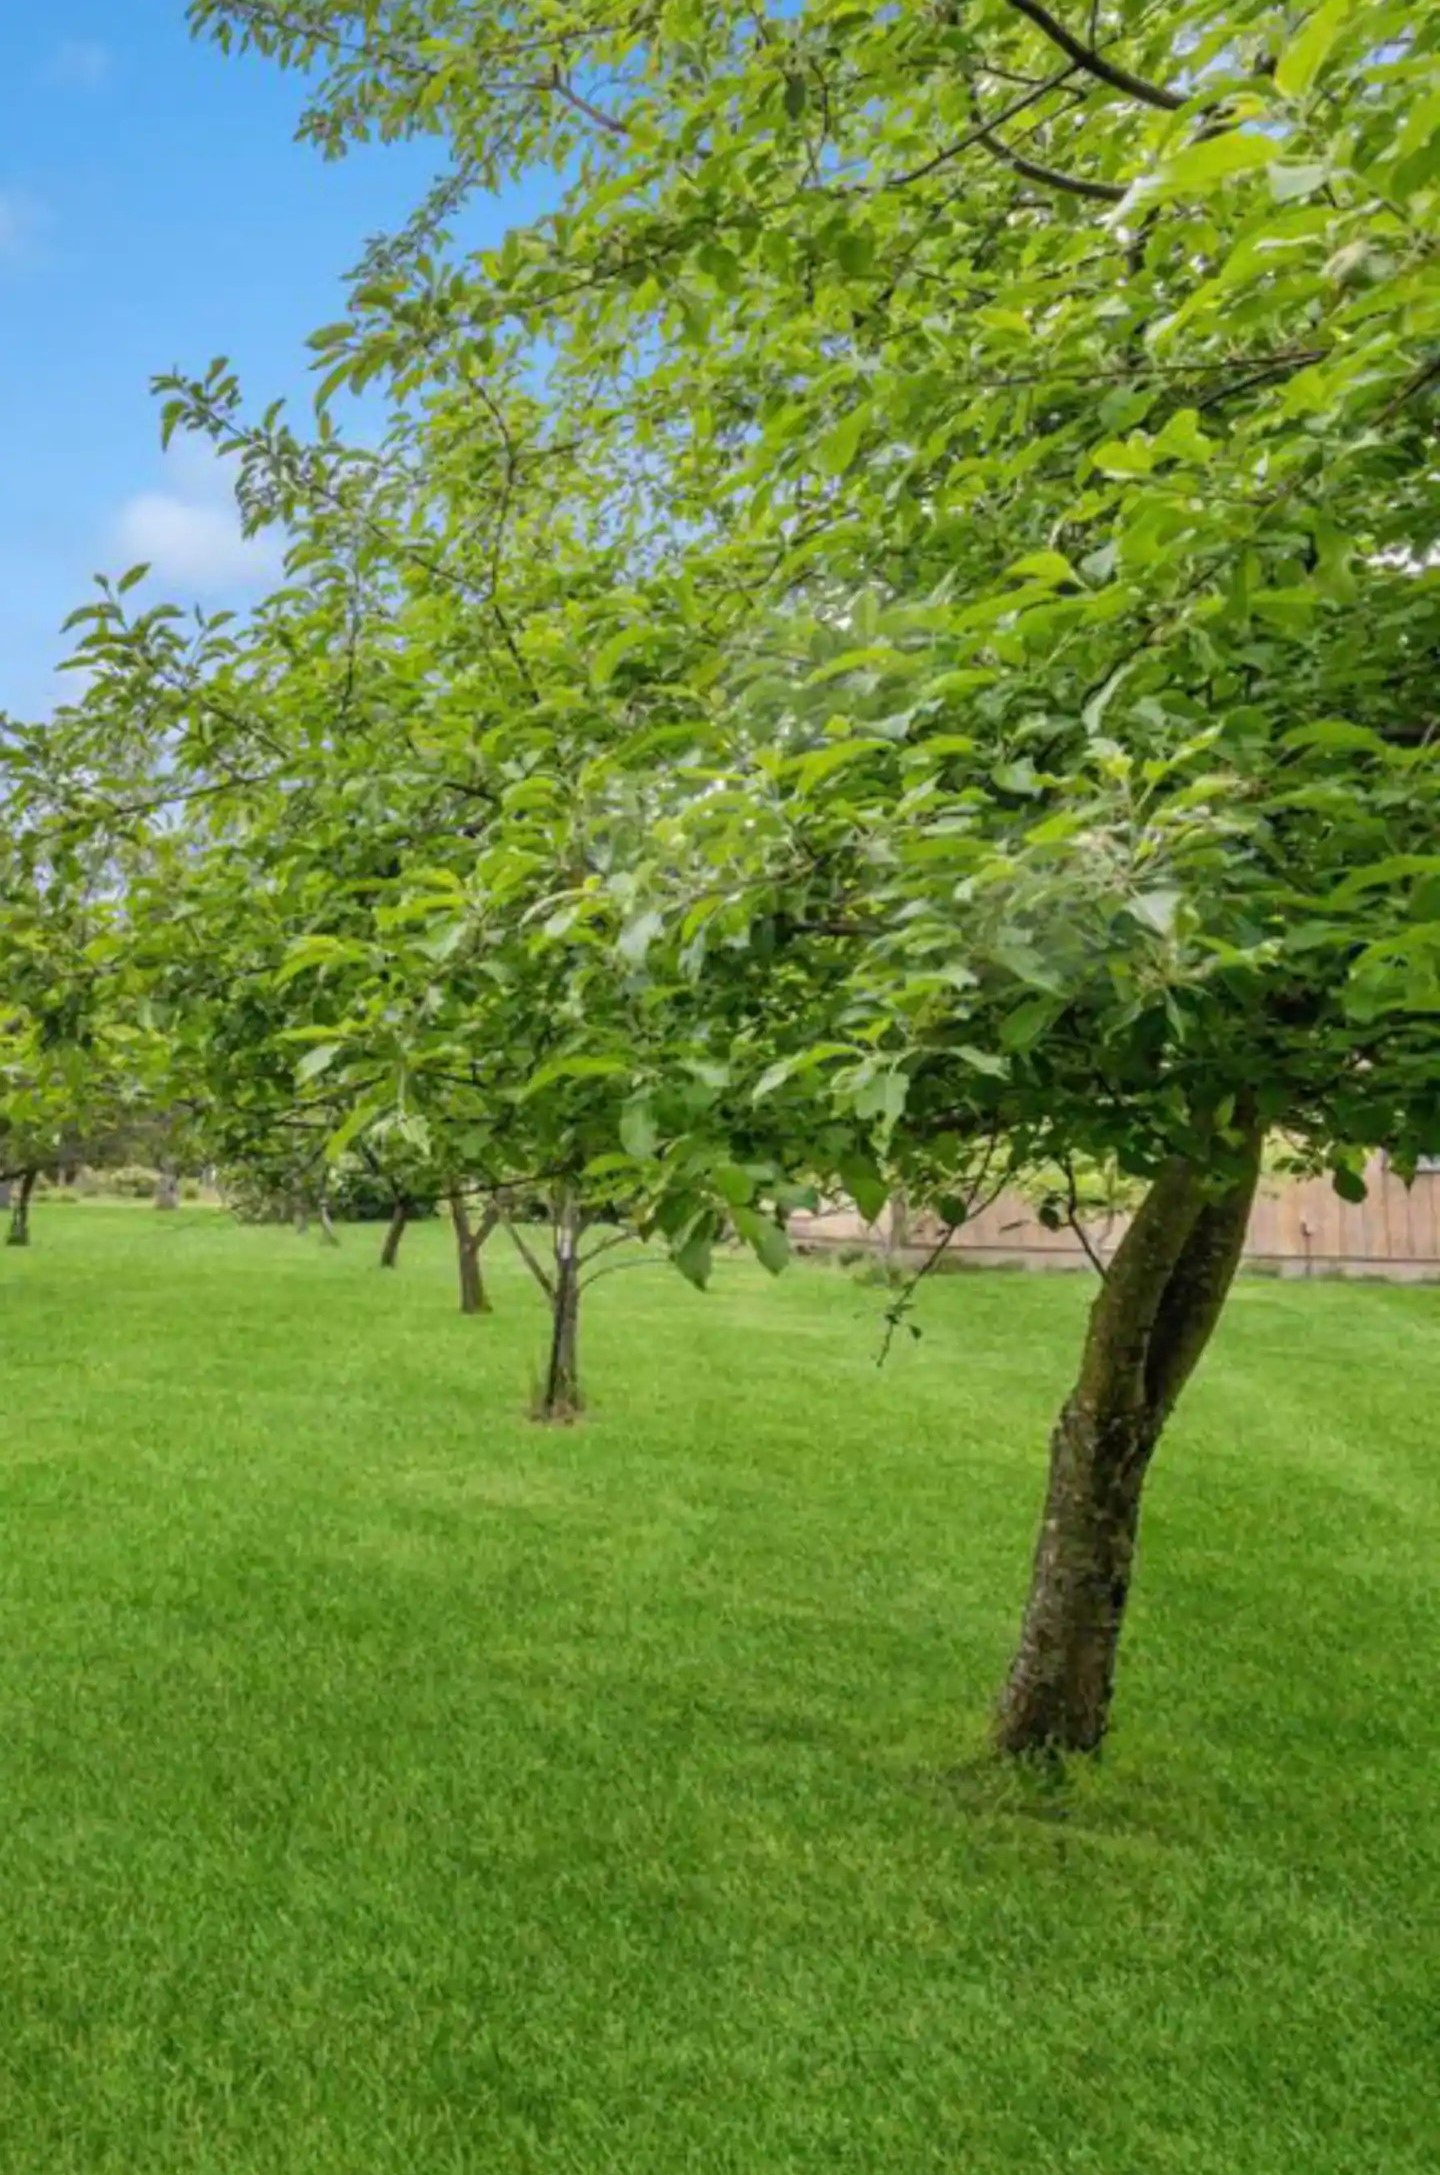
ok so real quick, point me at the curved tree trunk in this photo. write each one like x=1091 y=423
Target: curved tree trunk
x=469 y=1239
x=167 y=1189
x=19 y=1232
x=328 y=1233
x=1151 y=1321
x=390 y=1251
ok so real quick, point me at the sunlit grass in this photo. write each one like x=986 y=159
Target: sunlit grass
x=392 y=1785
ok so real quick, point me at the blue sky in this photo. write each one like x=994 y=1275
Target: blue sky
x=154 y=210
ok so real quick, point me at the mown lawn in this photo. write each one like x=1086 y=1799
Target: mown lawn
x=392 y=1787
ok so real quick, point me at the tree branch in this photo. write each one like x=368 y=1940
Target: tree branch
x=530 y=1259
x=1099 y=192
x=1094 y=63
x=555 y=81
x=1072 y=1217
x=1198 y=1284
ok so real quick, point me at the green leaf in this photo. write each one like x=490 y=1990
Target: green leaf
x=612 y=653
x=695 y=1257
x=824 y=762
x=1338 y=733
x=576 y=1067
x=986 y=1061
x=316 y=1061
x=786 y=1068
x=1157 y=909
x=638 y=935
x=733 y=1184
x=1051 y=567
x=837 y=449
x=1349 y=1184
x=770 y=1245
x=1027 y=1023
x=359 y=1120
x=1306 y=53
x=637 y=1130
x=1287 y=183
x=1214 y=160
x=1124 y=457
x=866 y=1188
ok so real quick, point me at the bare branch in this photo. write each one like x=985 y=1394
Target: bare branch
x=606 y=1246
x=1094 y=63
x=1050 y=177
x=1072 y=1217
x=648 y=1261
x=530 y=1258
x=555 y=81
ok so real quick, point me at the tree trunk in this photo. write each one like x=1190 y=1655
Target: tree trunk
x=561 y=1399
x=19 y=1233
x=328 y=1233
x=167 y=1190
x=474 y=1299
x=390 y=1251
x=1151 y=1321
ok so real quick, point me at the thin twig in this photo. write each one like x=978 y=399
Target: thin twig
x=648 y=1261
x=531 y=1260
x=1072 y=1217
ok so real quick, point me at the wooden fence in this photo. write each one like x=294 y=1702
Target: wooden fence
x=1299 y=1227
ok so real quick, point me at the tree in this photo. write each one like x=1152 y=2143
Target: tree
x=77 y=1054
x=1021 y=438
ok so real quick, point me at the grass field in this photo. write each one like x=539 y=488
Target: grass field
x=391 y=1787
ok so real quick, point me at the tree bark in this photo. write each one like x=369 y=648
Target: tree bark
x=469 y=1239
x=1151 y=1321
x=19 y=1233
x=390 y=1251
x=167 y=1189
x=561 y=1399
x=328 y=1233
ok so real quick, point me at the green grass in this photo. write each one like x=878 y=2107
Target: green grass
x=392 y=1787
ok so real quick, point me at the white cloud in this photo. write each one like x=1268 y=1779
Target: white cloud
x=81 y=64
x=189 y=534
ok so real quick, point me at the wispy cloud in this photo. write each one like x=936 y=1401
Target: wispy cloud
x=189 y=532
x=81 y=64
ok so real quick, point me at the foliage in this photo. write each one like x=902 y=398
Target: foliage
x=1011 y=509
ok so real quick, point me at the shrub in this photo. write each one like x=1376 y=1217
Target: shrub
x=131 y=1182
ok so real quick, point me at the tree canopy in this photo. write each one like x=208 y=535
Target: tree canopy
x=888 y=638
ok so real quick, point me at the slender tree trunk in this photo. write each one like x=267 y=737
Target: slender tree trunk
x=19 y=1233
x=4 y=1196
x=167 y=1189
x=1151 y=1321
x=561 y=1399
x=328 y=1232
x=469 y=1239
x=390 y=1251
